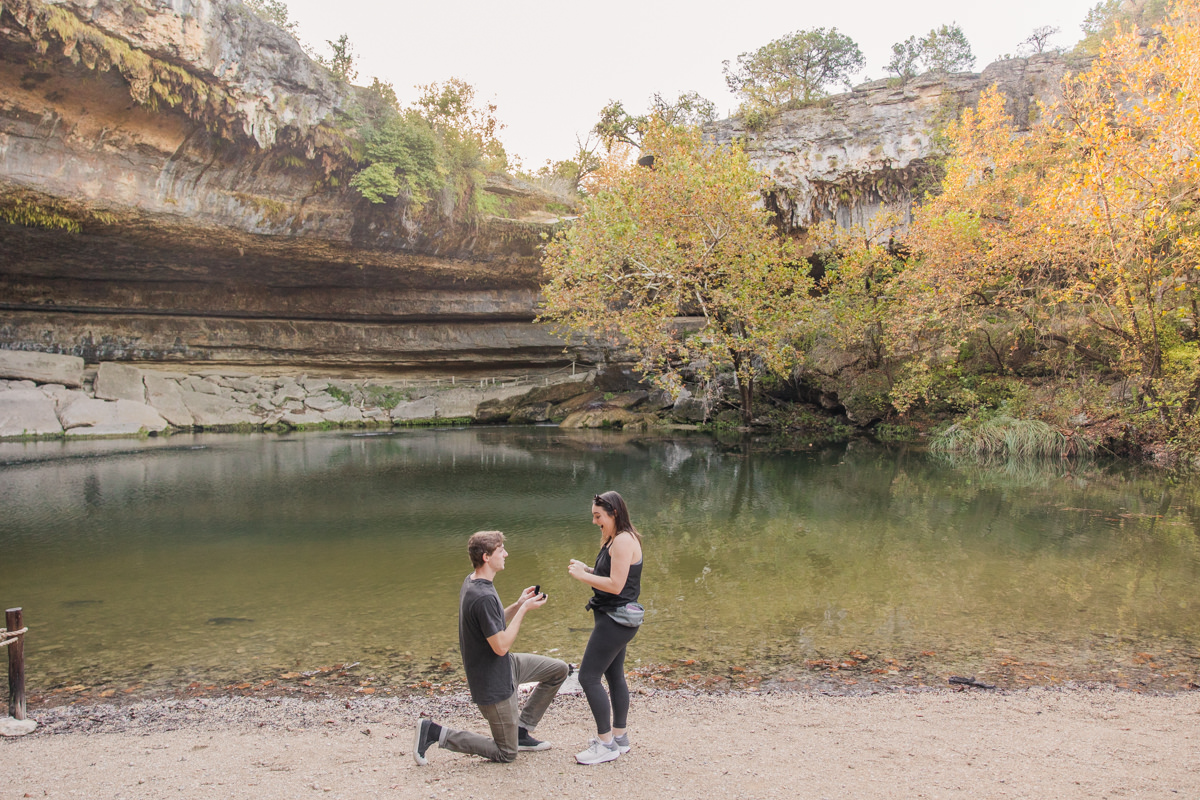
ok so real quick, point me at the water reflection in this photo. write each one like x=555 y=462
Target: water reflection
x=212 y=558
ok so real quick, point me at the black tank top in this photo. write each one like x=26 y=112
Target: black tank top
x=603 y=601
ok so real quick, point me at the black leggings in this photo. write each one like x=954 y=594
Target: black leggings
x=605 y=656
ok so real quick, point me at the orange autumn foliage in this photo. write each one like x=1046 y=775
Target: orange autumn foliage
x=1083 y=231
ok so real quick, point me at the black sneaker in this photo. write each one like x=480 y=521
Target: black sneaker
x=527 y=742
x=421 y=742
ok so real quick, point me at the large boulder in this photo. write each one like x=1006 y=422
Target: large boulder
x=86 y=413
x=377 y=416
x=250 y=385
x=140 y=414
x=562 y=391
x=288 y=390
x=166 y=397
x=689 y=407
x=206 y=385
x=569 y=407
x=527 y=414
x=211 y=411
x=491 y=412
x=298 y=418
x=344 y=415
x=41 y=367
x=529 y=406
x=465 y=402
x=323 y=402
x=629 y=399
x=63 y=396
x=416 y=410
x=604 y=417
x=27 y=412
x=110 y=418
x=119 y=382
x=659 y=399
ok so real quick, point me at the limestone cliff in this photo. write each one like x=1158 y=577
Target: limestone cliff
x=847 y=157
x=173 y=186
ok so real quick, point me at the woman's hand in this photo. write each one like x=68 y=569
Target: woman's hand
x=577 y=569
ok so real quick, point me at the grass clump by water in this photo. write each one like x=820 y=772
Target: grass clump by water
x=385 y=397
x=1003 y=437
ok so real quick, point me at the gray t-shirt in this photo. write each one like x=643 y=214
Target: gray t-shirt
x=480 y=615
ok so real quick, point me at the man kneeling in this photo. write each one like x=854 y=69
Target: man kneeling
x=486 y=632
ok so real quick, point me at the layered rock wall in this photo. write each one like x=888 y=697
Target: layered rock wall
x=52 y=396
x=853 y=155
x=173 y=187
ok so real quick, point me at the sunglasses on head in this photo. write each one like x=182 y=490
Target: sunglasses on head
x=600 y=501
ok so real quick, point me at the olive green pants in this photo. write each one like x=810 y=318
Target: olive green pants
x=503 y=717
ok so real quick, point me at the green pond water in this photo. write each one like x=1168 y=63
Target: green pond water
x=219 y=559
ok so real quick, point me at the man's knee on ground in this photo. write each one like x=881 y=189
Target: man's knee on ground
x=506 y=756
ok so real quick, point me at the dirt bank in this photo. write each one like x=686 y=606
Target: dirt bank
x=937 y=743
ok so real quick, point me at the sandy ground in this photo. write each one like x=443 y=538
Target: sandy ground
x=1037 y=743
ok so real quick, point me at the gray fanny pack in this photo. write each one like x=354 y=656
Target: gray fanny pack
x=630 y=615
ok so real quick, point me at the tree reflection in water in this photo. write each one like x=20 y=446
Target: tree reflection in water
x=854 y=560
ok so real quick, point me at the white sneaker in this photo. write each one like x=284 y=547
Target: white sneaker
x=622 y=743
x=598 y=752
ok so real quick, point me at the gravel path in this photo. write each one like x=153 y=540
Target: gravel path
x=936 y=743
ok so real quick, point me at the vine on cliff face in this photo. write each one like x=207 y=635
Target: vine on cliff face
x=151 y=81
x=18 y=207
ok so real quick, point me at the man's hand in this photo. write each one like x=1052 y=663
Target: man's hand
x=529 y=600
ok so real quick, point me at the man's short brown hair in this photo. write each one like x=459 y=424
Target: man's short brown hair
x=483 y=543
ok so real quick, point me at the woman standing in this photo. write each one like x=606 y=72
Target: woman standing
x=616 y=582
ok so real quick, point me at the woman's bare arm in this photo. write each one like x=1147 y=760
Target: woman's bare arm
x=621 y=552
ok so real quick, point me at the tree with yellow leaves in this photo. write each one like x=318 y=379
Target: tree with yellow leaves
x=686 y=237
x=1093 y=215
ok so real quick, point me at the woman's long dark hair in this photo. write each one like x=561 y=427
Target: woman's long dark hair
x=614 y=504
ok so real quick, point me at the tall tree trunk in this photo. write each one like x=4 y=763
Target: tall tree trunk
x=747 y=390
x=745 y=385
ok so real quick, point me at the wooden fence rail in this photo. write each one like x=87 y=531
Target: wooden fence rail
x=12 y=636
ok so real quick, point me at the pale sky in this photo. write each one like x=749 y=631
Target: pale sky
x=551 y=66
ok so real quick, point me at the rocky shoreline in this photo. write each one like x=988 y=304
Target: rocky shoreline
x=45 y=396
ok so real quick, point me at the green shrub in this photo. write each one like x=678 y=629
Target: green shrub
x=385 y=397
x=403 y=155
x=340 y=395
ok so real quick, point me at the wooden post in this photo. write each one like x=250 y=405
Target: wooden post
x=16 y=666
